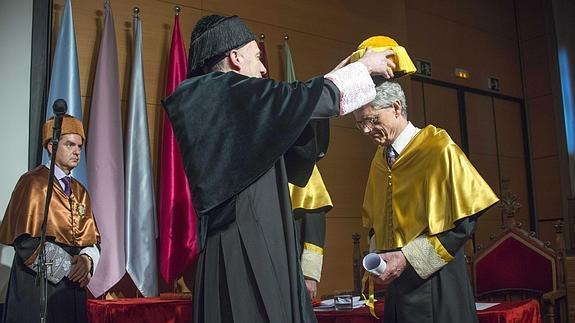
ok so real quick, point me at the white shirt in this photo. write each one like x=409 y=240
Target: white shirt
x=405 y=137
x=59 y=174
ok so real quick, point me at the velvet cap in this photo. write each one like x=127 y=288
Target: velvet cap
x=403 y=64
x=212 y=38
x=69 y=125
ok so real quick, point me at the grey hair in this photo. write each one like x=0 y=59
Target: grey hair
x=388 y=92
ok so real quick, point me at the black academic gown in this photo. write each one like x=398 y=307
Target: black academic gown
x=446 y=296
x=66 y=299
x=233 y=132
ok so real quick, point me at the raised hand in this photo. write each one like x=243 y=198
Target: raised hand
x=378 y=63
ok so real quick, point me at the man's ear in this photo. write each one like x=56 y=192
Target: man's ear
x=49 y=147
x=234 y=59
x=396 y=108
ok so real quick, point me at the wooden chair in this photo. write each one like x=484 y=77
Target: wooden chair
x=517 y=265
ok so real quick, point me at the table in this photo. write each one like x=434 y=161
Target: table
x=155 y=310
x=144 y=310
x=527 y=311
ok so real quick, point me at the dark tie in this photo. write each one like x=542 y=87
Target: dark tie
x=67 y=187
x=391 y=155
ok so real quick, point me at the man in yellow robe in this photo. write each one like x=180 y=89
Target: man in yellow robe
x=70 y=226
x=422 y=200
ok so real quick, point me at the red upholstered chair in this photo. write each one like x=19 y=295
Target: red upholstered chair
x=516 y=265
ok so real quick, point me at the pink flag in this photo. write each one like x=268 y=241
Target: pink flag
x=177 y=218
x=105 y=160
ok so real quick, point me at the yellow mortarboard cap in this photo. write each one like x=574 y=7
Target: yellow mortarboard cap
x=403 y=64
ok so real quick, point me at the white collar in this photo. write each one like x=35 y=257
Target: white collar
x=404 y=137
x=58 y=173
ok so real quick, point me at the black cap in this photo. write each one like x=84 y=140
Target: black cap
x=212 y=38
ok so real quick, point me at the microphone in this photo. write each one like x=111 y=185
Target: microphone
x=59 y=107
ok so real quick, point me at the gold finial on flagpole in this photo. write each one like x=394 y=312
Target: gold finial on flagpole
x=286 y=37
x=262 y=36
x=178 y=9
x=136 y=12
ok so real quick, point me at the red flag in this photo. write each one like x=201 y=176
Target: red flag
x=263 y=55
x=177 y=218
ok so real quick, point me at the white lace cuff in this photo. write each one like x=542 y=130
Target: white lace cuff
x=423 y=257
x=311 y=263
x=94 y=253
x=355 y=86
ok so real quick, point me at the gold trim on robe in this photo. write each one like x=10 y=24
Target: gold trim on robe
x=430 y=186
x=70 y=219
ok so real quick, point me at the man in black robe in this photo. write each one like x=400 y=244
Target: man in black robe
x=233 y=129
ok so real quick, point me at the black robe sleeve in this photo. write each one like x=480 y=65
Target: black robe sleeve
x=455 y=239
x=231 y=128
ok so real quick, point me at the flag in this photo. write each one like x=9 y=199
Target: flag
x=106 y=162
x=140 y=226
x=177 y=218
x=263 y=55
x=65 y=81
x=289 y=69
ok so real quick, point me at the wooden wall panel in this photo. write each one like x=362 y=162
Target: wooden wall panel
x=514 y=179
x=442 y=110
x=488 y=168
x=197 y=4
x=428 y=36
x=491 y=221
x=537 y=76
x=345 y=170
x=448 y=43
x=415 y=105
x=541 y=125
x=508 y=119
x=493 y=16
x=548 y=187
x=530 y=19
x=312 y=56
x=334 y=19
x=480 y=124
x=337 y=273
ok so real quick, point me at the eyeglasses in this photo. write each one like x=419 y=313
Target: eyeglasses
x=367 y=123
